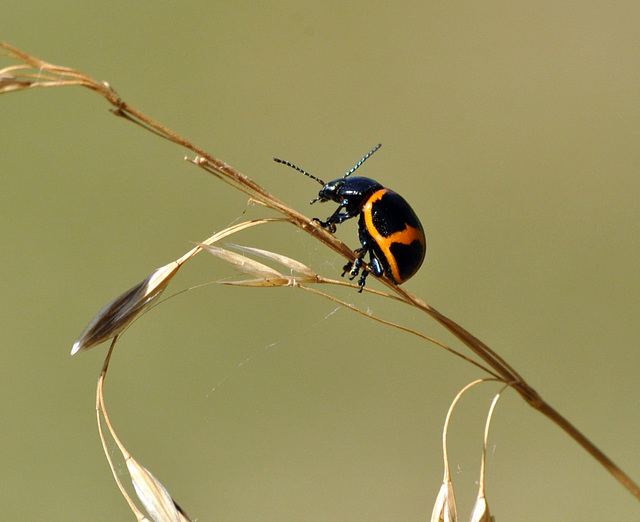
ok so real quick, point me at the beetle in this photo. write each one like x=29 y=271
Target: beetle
x=388 y=228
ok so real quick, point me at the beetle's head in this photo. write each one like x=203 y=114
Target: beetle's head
x=330 y=191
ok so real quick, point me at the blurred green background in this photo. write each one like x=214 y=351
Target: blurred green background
x=512 y=128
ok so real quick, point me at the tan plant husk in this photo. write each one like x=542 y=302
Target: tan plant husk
x=32 y=72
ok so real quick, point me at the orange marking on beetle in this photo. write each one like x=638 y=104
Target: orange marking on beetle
x=405 y=236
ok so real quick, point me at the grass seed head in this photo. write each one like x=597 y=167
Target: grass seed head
x=114 y=317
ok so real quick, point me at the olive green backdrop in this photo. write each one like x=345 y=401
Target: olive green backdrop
x=512 y=128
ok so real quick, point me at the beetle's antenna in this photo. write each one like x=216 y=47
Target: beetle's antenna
x=278 y=160
x=364 y=158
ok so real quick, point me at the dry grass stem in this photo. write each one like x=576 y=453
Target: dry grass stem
x=399 y=327
x=444 y=508
x=480 y=512
x=265 y=276
x=31 y=72
x=153 y=495
x=101 y=414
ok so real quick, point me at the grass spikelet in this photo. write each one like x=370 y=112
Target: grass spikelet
x=445 y=509
x=117 y=315
x=262 y=274
x=156 y=499
x=480 y=511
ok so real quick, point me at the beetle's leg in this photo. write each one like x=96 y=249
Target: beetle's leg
x=375 y=267
x=354 y=268
x=362 y=280
x=338 y=216
x=326 y=224
x=347 y=268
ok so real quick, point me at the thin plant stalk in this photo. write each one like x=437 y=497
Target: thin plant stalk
x=101 y=413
